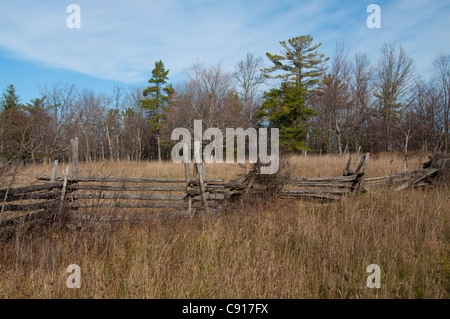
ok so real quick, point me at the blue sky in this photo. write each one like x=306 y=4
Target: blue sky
x=119 y=41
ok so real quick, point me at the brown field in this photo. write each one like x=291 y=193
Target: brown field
x=283 y=249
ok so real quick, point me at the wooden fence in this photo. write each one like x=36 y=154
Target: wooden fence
x=127 y=192
x=332 y=188
x=404 y=180
x=191 y=194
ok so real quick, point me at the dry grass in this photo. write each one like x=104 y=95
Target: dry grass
x=312 y=165
x=284 y=249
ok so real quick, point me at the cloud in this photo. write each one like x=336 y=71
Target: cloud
x=121 y=40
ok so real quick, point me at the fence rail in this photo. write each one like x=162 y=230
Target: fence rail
x=403 y=180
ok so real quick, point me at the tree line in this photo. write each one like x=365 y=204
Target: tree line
x=320 y=104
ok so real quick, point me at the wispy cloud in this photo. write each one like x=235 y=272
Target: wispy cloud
x=121 y=40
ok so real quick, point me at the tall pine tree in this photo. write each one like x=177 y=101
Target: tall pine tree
x=300 y=62
x=156 y=100
x=299 y=68
x=9 y=100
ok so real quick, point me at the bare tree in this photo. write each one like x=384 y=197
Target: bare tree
x=90 y=123
x=333 y=99
x=425 y=107
x=208 y=95
x=136 y=129
x=60 y=105
x=250 y=78
x=362 y=92
x=395 y=76
x=442 y=79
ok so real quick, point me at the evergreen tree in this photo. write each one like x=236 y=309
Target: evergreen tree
x=12 y=122
x=300 y=62
x=285 y=108
x=157 y=99
x=10 y=100
x=299 y=68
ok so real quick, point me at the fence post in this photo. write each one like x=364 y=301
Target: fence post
x=363 y=173
x=187 y=175
x=356 y=159
x=201 y=173
x=74 y=146
x=55 y=167
x=65 y=175
x=347 y=171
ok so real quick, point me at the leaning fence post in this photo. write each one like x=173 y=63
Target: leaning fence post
x=347 y=167
x=74 y=146
x=363 y=173
x=65 y=175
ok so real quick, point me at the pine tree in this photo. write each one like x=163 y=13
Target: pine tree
x=9 y=100
x=299 y=68
x=156 y=100
x=12 y=122
x=300 y=62
x=285 y=108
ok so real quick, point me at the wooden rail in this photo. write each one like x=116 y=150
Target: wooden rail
x=402 y=181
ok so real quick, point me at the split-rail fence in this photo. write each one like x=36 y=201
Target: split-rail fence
x=188 y=195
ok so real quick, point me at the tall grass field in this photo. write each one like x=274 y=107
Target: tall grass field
x=255 y=249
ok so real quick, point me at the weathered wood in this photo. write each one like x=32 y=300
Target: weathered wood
x=74 y=147
x=357 y=183
x=317 y=184
x=187 y=173
x=202 y=187
x=196 y=191
x=356 y=158
x=27 y=218
x=366 y=163
x=316 y=190
x=131 y=196
x=357 y=186
x=211 y=182
x=53 y=176
x=404 y=177
x=347 y=166
x=30 y=189
x=105 y=179
x=416 y=172
x=133 y=205
x=209 y=197
x=126 y=188
x=323 y=179
x=203 y=173
x=29 y=207
x=361 y=163
x=41 y=195
x=309 y=195
x=413 y=182
x=64 y=186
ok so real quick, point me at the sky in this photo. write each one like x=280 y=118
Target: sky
x=118 y=42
